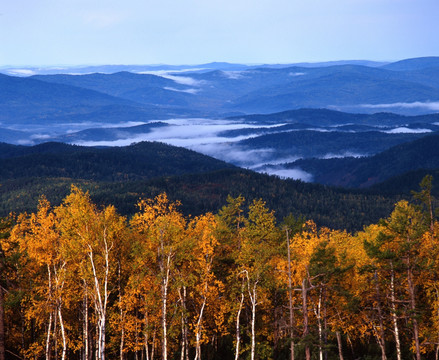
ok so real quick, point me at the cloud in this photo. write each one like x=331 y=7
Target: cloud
x=21 y=72
x=40 y=137
x=433 y=105
x=235 y=154
x=183 y=80
x=284 y=173
x=204 y=136
x=342 y=155
x=296 y=74
x=189 y=91
x=405 y=130
x=234 y=75
x=185 y=132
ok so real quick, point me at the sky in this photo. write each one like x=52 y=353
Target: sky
x=97 y=32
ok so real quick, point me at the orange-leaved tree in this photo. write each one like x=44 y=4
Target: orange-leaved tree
x=93 y=238
x=160 y=230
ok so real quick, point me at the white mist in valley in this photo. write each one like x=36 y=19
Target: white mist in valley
x=207 y=136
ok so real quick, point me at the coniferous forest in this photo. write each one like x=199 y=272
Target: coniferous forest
x=80 y=281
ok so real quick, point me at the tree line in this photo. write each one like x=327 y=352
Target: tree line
x=80 y=281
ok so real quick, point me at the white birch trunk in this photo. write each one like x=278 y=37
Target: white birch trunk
x=394 y=315
x=184 y=330
x=49 y=325
x=340 y=349
x=238 y=331
x=305 y=317
x=290 y=298
x=318 y=312
x=85 y=324
x=146 y=334
x=100 y=299
x=63 y=334
x=59 y=287
x=49 y=333
x=253 y=299
x=198 y=329
x=165 y=283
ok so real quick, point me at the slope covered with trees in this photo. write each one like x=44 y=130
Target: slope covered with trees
x=80 y=281
x=144 y=160
x=363 y=172
x=199 y=193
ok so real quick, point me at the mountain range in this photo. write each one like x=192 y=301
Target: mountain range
x=248 y=90
x=121 y=175
x=351 y=124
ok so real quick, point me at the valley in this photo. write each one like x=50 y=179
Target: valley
x=228 y=155
x=347 y=124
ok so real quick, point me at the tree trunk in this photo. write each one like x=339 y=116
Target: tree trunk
x=63 y=334
x=305 y=319
x=252 y=292
x=59 y=284
x=394 y=315
x=153 y=345
x=184 y=326
x=380 y=333
x=437 y=313
x=253 y=301
x=199 y=326
x=85 y=340
x=339 y=343
x=100 y=300
x=412 y=295
x=121 y=313
x=2 y=324
x=238 y=331
x=290 y=298
x=136 y=344
x=319 y=324
x=165 y=282
x=146 y=335
x=49 y=334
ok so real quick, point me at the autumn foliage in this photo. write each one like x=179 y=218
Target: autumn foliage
x=82 y=282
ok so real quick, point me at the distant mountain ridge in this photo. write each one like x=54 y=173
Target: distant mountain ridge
x=420 y=154
x=409 y=86
x=413 y=64
x=144 y=160
x=110 y=69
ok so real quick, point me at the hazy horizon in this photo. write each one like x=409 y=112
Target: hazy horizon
x=93 y=32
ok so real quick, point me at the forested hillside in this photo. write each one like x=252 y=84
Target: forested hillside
x=145 y=160
x=199 y=193
x=79 y=279
x=421 y=154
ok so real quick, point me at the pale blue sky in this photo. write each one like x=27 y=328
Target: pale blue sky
x=85 y=32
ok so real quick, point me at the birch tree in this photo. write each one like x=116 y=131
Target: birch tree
x=93 y=236
x=161 y=228
x=255 y=257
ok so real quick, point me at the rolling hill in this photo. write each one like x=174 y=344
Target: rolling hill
x=364 y=172
x=413 y=64
x=144 y=160
x=226 y=90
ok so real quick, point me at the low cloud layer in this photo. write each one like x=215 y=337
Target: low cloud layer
x=433 y=106
x=204 y=136
x=342 y=155
x=220 y=139
x=189 y=91
x=20 y=72
x=234 y=75
x=406 y=130
x=284 y=173
x=183 y=80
